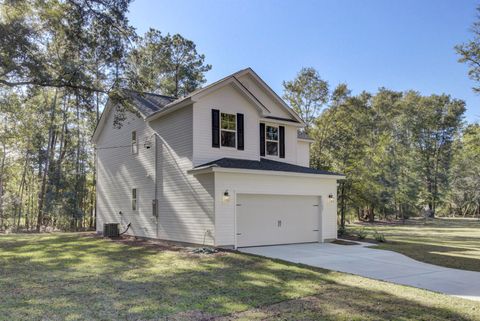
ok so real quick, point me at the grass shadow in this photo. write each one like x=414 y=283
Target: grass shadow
x=66 y=276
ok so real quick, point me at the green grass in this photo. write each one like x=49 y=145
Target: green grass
x=452 y=243
x=65 y=276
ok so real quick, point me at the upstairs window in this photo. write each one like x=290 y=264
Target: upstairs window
x=134 y=199
x=228 y=129
x=134 y=142
x=271 y=140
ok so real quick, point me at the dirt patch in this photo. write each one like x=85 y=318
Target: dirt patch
x=387 y=223
x=355 y=238
x=162 y=245
x=343 y=242
x=191 y=315
x=277 y=311
x=151 y=244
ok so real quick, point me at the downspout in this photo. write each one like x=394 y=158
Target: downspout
x=156 y=185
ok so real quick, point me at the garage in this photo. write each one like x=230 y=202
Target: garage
x=263 y=219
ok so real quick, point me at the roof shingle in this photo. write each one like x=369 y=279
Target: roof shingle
x=264 y=165
x=148 y=103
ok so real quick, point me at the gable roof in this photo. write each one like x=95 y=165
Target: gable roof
x=263 y=165
x=271 y=92
x=146 y=103
x=233 y=78
x=151 y=106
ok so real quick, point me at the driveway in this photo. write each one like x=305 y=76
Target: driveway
x=377 y=264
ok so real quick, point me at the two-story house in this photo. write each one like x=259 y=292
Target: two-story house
x=226 y=166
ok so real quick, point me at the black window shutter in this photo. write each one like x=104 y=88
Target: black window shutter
x=240 y=141
x=215 y=128
x=262 y=139
x=282 y=141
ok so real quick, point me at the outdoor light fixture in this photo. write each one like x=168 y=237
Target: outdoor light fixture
x=147 y=144
x=331 y=198
x=226 y=196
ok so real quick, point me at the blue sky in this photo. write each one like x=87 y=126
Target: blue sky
x=397 y=44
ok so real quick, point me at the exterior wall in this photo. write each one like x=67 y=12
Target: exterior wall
x=119 y=171
x=230 y=100
x=191 y=208
x=185 y=202
x=303 y=153
x=270 y=184
x=275 y=109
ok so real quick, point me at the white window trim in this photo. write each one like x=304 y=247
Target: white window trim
x=134 y=199
x=228 y=130
x=134 y=144
x=273 y=141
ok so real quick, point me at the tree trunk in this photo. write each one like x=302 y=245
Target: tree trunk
x=21 y=189
x=2 y=168
x=51 y=140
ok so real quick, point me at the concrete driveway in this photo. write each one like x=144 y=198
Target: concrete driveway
x=377 y=264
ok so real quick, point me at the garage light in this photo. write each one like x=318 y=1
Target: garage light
x=331 y=198
x=226 y=196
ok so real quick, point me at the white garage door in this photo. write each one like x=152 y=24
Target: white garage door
x=277 y=219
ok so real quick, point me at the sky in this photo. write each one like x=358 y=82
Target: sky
x=367 y=44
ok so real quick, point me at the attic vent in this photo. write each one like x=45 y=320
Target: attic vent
x=111 y=230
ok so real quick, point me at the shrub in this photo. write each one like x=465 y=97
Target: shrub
x=342 y=231
x=379 y=237
x=361 y=234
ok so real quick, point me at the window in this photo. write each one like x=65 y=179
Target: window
x=271 y=140
x=134 y=143
x=134 y=199
x=228 y=128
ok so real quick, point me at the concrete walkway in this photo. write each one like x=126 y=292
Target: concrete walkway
x=377 y=264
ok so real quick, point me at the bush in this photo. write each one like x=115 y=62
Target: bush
x=361 y=234
x=342 y=231
x=379 y=237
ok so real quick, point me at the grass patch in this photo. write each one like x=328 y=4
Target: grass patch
x=453 y=243
x=67 y=276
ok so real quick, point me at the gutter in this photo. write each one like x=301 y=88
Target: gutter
x=217 y=169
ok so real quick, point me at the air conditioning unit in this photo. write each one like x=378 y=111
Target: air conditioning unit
x=111 y=230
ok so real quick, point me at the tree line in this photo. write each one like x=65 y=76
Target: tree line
x=60 y=60
x=403 y=153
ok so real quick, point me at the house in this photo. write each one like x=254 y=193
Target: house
x=225 y=166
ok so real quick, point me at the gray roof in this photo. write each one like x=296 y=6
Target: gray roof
x=263 y=165
x=303 y=135
x=281 y=118
x=148 y=103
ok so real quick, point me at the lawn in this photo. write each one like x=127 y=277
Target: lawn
x=65 y=276
x=452 y=243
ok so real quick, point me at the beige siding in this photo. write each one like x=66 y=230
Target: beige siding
x=229 y=100
x=273 y=106
x=191 y=208
x=270 y=184
x=303 y=153
x=185 y=201
x=119 y=171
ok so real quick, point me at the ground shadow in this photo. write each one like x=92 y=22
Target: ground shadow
x=66 y=276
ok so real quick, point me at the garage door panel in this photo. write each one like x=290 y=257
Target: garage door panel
x=276 y=219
